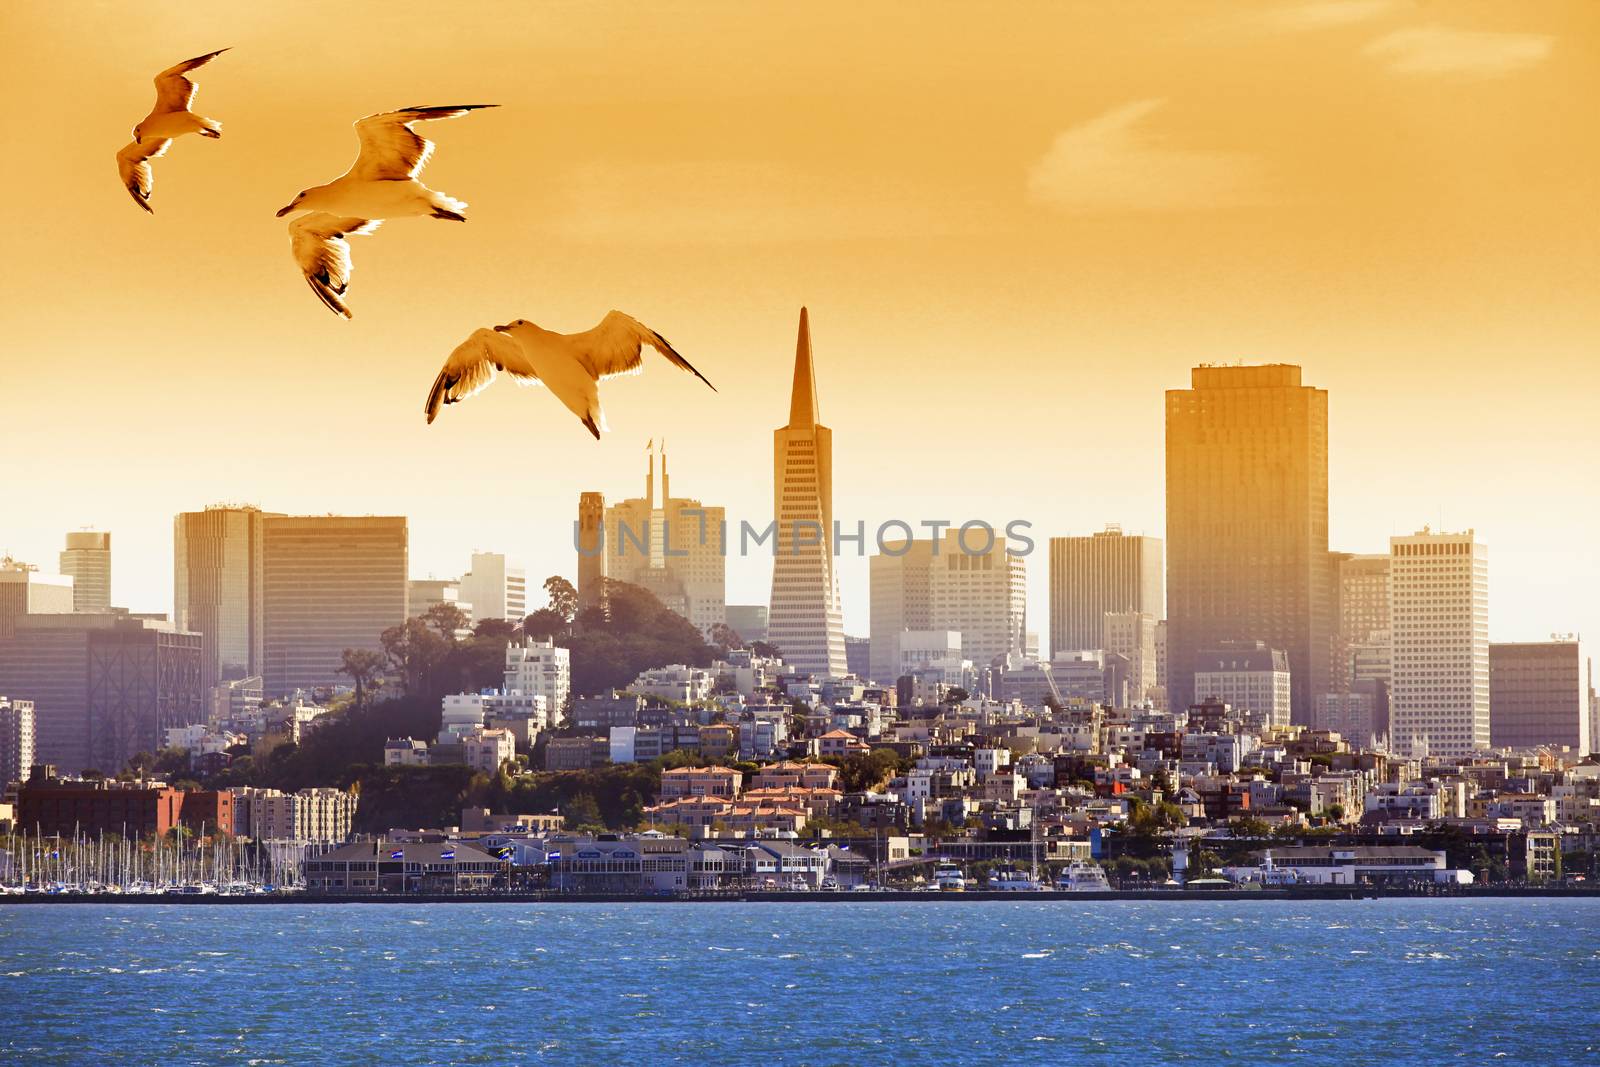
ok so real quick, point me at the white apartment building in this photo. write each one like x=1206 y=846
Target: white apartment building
x=17 y=740
x=677 y=682
x=495 y=588
x=1249 y=677
x=979 y=588
x=540 y=668
x=1439 y=612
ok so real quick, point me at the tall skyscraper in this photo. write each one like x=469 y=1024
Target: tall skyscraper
x=981 y=590
x=25 y=591
x=104 y=686
x=1247 y=523
x=1439 y=614
x=17 y=740
x=977 y=589
x=1362 y=612
x=495 y=588
x=591 y=550
x=332 y=582
x=673 y=548
x=1106 y=572
x=87 y=561
x=1539 y=695
x=218 y=590
x=807 y=622
x=901 y=599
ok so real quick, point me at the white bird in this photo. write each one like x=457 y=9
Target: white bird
x=570 y=364
x=170 y=118
x=380 y=184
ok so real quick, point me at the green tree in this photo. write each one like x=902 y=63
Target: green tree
x=446 y=619
x=363 y=666
x=415 y=653
x=563 y=597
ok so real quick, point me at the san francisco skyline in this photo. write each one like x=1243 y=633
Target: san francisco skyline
x=996 y=308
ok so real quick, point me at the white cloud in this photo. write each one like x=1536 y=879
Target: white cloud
x=1114 y=163
x=1325 y=13
x=1442 y=50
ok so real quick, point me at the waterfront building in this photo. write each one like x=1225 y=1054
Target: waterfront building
x=309 y=816
x=1439 y=689
x=17 y=739
x=806 y=620
x=1247 y=523
x=219 y=571
x=1359 y=864
x=385 y=866
x=331 y=582
x=87 y=561
x=1539 y=695
x=25 y=591
x=1107 y=572
x=103 y=686
x=72 y=807
x=495 y=588
x=1249 y=677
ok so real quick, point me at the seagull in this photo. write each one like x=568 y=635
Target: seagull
x=170 y=118
x=380 y=184
x=570 y=364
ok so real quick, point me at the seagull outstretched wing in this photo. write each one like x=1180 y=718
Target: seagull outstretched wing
x=614 y=347
x=472 y=366
x=320 y=248
x=174 y=92
x=133 y=167
x=391 y=149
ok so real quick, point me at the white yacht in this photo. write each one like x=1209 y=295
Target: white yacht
x=948 y=877
x=1011 y=880
x=1083 y=876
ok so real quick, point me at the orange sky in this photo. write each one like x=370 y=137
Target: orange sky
x=1014 y=226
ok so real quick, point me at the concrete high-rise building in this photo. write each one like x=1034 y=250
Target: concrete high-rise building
x=806 y=621
x=674 y=549
x=969 y=584
x=980 y=589
x=1247 y=523
x=495 y=588
x=103 y=686
x=87 y=561
x=1439 y=618
x=332 y=582
x=1361 y=612
x=218 y=576
x=749 y=621
x=900 y=596
x=17 y=740
x=1132 y=635
x=591 y=550
x=425 y=593
x=1539 y=695
x=25 y=591
x=1249 y=677
x=1105 y=572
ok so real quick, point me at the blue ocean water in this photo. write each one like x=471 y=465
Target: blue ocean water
x=1396 y=981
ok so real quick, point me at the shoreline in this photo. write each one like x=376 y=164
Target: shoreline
x=1309 y=893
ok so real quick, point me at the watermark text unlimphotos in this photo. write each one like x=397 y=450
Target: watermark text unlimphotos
x=893 y=537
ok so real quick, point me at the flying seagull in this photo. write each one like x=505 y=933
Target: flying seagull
x=381 y=184
x=570 y=364
x=170 y=118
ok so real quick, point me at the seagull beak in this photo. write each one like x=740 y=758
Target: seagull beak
x=502 y=329
x=282 y=211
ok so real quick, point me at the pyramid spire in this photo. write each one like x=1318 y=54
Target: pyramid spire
x=803 y=401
